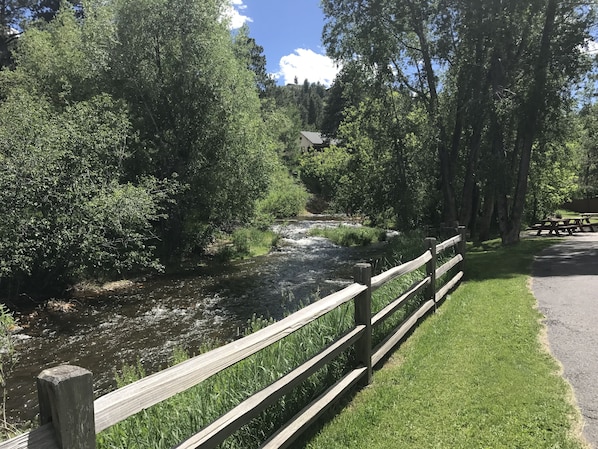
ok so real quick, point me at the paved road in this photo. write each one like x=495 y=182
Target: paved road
x=565 y=282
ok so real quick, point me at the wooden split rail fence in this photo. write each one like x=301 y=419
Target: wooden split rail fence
x=70 y=418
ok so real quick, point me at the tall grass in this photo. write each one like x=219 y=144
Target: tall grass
x=176 y=419
x=247 y=242
x=351 y=235
x=7 y=361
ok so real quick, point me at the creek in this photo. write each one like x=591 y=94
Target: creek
x=147 y=321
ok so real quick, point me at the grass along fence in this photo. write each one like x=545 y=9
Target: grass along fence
x=70 y=418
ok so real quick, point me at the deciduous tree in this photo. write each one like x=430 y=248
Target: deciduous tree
x=196 y=108
x=506 y=67
x=66 y=213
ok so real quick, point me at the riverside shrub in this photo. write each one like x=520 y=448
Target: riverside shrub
x=285 y=199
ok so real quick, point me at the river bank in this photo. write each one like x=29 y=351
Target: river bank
x=146 y=321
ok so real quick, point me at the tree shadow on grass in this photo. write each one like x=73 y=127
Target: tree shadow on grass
x=492 y=260
x=541 y=257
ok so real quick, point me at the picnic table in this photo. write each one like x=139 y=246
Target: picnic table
x=555 y=225
x=587 y=223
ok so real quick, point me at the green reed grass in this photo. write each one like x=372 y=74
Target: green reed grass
x=251 y=242
x=174 y=420
x=351 y=235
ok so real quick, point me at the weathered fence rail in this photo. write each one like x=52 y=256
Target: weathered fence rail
x=70 y=418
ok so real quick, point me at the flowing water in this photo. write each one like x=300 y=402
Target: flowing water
x=148 y=321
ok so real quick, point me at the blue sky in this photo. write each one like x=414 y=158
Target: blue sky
x=291 y=33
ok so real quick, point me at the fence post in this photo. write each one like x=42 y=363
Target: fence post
x=362 y=274
x=462 y=246
x=431 y=270
x=66 y=400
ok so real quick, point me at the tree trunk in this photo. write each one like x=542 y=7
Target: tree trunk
x=467 y=203
x=479 y=83
x=498 y=173
x=534 y=113
x=487 y=214
x=444 y=156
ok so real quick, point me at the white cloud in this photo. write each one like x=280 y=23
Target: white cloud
x=307 y=64
x=590 y=47
x=233 y=12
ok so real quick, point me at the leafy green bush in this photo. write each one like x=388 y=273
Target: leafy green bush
x=66 y=212
x=7 y=361
x=322 y=170
x=285 y=199
x=253 y=242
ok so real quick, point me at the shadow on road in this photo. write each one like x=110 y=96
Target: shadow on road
x=577 y=256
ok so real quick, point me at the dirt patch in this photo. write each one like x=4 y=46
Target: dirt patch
x=90 y=288
x=58 y=306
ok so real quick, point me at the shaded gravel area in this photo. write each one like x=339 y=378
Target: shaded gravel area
x=565 y=283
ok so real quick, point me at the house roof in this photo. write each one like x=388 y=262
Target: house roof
x=313 y=137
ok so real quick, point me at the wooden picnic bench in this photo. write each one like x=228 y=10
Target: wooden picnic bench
x=556 y=225
x=586 y=221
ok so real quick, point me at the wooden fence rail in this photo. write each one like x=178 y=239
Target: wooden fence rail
x=70 y=418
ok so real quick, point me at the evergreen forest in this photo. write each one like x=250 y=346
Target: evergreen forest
x=133 y=132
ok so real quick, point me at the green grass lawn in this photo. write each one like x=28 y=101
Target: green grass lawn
x=566 y=213
x=474 y=375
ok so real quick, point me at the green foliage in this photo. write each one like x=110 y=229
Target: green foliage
x=322 y=171
x=283 y=125
x=197 y=110
x=285 y=198
x=66 y=213
x=251 y=242
x=349 y=89
x=128 y=129
x=309 y=100
x=252 y=54
x=390 y=174
x=351 y=235
x=588 y=142
x=12 y=13
x=489 y=81
x=67 y=59
x=124 y=215
x=382 y=169
x=553 y=179
x=7 y=360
